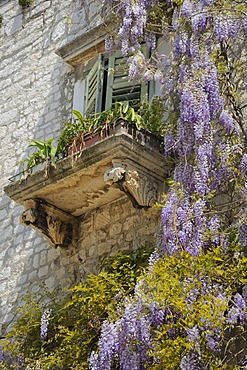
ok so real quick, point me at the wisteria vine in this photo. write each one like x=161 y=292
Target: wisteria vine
x=205 y=139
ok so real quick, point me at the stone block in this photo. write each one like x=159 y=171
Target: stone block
x=14 y=24
x=5 y=273
x=115 y=229
x=35 y=289
x=36 y=261
x=93 y=251
x=43 y=271
x=102 y=218
x=50 y=283
x=3 y=130
x=104 y=248
x=60 y=273
x=130 y=223
x=58 y=31
x=52 y=254
x=101 y=235
x=3 y=214
x=43 y=258
x=10 y=251
x=32 y=276
x=22 y=279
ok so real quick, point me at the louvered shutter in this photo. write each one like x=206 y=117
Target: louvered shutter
x=119 y=88
x=93 y=93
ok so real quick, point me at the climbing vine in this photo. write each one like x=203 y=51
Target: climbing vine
x=189 y=310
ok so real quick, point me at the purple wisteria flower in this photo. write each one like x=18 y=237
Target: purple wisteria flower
x=200 y=142
x=169 y=143
x=134 y=18
x=226 y=120
x=187 y=9
x=244 y=25
x=243 y=235
x=214 y=227
x=108 y=43
x=212 y=342
x=243 y=164
x=11 y=362
x=238 y=311
x=190 y=362
x=137 y=66
x=193 y=334
x=155 y=257
x=108 y=346
x=226 y=27
x=2 y=355
x=192 y=295
x=156 y=315
x=44 y=324
x=93 y=362
x=199 y=20
x=206 y=3
x=240 y=301
x=127 y=340
x=150 y=39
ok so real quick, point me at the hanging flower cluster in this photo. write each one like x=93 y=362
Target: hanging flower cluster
x=44 y=323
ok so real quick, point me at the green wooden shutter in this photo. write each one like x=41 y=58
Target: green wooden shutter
x=93 y=91
x=119 y=88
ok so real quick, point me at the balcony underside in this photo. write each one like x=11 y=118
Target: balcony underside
x=126 y=162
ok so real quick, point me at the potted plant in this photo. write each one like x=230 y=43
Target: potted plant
x=86 y=132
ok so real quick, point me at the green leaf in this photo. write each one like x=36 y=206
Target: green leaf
x=79 y=116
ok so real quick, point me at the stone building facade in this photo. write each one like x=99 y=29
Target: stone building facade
x=37 y=92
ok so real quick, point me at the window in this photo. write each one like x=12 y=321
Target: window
x=104 y=80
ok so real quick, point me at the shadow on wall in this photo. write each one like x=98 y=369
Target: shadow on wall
x=36 y=88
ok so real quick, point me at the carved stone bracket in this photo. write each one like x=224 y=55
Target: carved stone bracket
x=56 y=226
x=142 y=189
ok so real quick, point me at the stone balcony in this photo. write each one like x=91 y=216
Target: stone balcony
x=124 y=162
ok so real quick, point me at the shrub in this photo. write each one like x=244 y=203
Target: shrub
x=63 y=335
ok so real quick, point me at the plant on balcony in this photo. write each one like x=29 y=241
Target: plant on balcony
x=147 y=117
x=45 y=153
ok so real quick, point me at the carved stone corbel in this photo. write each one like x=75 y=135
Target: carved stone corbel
x=142 y=189
x=56 y=226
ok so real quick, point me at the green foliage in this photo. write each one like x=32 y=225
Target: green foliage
x=153 y=116
x=45 y=152
x=102 y=121
x=1 y=20
x=180 y=284
x=75 y=322
x=25 y=3
x=148 y=117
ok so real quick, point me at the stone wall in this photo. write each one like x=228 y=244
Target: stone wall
x=113 y=228
x=36 y=90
